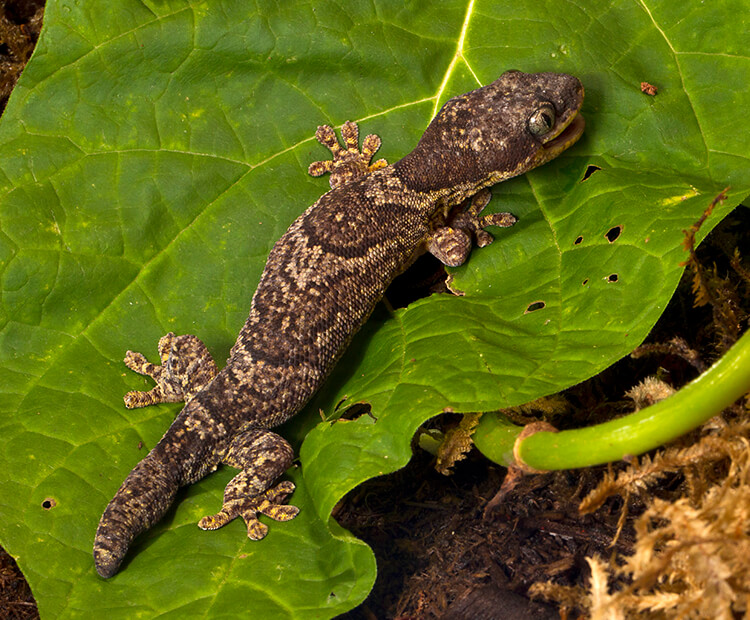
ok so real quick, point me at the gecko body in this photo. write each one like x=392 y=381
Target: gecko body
x=321 y=282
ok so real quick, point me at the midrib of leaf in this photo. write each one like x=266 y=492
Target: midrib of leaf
x=458 y=56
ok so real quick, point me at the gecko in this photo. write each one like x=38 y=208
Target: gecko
x=321 y=282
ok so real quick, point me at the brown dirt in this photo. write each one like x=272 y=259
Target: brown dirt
x=20 y=23
x=438 y=556
x=16 y=600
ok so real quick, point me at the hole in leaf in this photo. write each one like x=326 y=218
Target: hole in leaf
x=585 y=282
x=49 y=503
x=591 y=169
x=613 y=233
x=534 y=306
x=578 y=240
x=613 y=278
x=357 y=410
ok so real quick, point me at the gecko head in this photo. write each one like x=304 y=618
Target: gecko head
x=518 y=122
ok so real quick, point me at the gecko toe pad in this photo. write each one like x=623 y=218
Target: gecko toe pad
x=269 y=503
x=348 y=163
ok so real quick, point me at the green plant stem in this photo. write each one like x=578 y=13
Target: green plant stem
x=717 y=388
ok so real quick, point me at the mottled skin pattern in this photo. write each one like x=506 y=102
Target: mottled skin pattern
x=321 y=282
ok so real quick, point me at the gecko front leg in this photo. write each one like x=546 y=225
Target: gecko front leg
x=186 y=368
x=350 y=163
x=452 y=242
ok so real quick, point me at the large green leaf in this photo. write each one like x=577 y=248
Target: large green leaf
x=153 y=152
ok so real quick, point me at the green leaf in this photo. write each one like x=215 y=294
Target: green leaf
x=153 y=152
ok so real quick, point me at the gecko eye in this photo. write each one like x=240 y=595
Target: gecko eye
x=542 y=120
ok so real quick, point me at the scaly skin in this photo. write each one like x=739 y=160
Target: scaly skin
x=321 y=282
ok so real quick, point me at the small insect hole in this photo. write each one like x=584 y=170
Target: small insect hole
x=534 y=306
x=613 y=278
x=49 y=503
x=591 y=169
x=613 y=233
x=578 y=240
x=585 y=282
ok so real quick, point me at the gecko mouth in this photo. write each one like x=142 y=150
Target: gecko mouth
x=566 y=137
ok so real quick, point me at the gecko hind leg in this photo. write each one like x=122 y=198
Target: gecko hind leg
x=348 y=163
x=263 y=456
x=452 y=242
x=186 y=368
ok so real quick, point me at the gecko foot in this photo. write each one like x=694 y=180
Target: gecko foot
x=348 y=163
x=452 y=242
x=263 y=456
x=186 y=368
x=269 y=503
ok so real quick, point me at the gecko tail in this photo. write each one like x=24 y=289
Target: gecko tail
x=141 y=501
